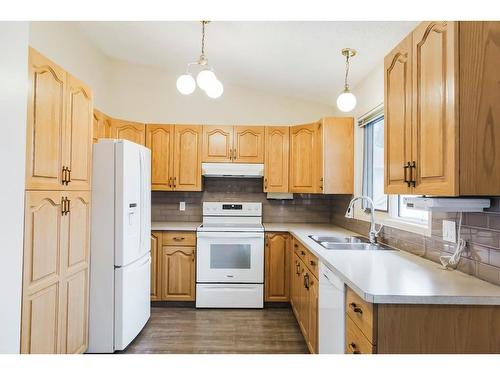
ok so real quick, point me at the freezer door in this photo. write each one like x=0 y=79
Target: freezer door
x=132 y=304
x=130 y=197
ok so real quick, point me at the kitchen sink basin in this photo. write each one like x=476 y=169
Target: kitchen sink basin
x=354 y=246
x=351 y=239
x=348 y=243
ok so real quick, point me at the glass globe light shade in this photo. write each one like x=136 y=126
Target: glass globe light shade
x=216 y=90
x=346 y=101
x=206 y=79
x=186 y=84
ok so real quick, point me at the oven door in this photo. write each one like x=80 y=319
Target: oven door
x=230 y=257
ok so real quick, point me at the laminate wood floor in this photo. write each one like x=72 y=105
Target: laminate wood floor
x=183 y=330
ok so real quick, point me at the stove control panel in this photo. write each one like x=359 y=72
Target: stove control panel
x=232 y=209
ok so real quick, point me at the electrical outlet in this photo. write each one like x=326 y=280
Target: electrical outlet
x=449 y=231
x=182 y=206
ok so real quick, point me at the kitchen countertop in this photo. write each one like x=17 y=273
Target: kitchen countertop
x=175 y=225
x=396 y=277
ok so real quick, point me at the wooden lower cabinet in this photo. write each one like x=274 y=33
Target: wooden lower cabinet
x=304 y=293
x=277 y=268
x=177 y=273
x=173 y=266
x=156 y=238
x=55 y=277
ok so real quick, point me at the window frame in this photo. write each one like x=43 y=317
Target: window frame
x=390 y=218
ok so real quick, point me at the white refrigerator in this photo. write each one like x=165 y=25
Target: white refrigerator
x=120 y=253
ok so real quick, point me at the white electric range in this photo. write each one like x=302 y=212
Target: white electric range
x=230 y=256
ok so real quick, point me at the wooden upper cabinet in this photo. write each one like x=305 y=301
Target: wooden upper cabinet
x=187 y=157
x=131 y=131
x=397 y=118
x=78 y=134
x=217 y=143
x=276 y=159
x=178 y=273
x=160 y=139
x=248 y=144
x=101 y=127
x=435 y=132
x=45 y=123
x=277 y=268
x=304 y=155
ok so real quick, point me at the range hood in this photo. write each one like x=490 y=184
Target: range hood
x=232 y=170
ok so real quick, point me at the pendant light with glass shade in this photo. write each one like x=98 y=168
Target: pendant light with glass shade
x=205 y=79
x=346 y=101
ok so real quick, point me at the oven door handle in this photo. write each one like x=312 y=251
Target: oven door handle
x=227 y=235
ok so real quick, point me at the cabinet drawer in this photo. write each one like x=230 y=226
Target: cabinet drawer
x=311 y=262
x=362 y=313
x=299 y=249
x=179 y=238
x=355 y=341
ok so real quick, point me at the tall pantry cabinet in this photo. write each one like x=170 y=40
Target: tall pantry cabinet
x=57 y=210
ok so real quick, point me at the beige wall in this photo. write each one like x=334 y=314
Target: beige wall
x=146 y=94
x=13 y=94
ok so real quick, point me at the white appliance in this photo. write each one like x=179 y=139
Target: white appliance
x=447 y=204
x=331 y=326
x=232 y=170
x=230 y=256
x=120 y=259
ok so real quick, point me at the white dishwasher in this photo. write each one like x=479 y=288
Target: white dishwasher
x=331 y=312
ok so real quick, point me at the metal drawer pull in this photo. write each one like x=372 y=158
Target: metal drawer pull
x=413 y=166
x=302 y=252
x=353 y=347
x=312 y=262
x=405 y=167
x=355 y=308
x=179 y=238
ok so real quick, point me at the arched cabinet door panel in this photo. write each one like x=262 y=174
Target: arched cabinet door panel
x=248 y=144
x=217 y=144
x=178 y=273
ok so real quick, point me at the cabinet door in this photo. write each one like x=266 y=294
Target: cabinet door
x=160 y=139
x=155 y=274
x=101 y=127
x=277 y=267
x=295 y=284
x=75 y=245
x=40 y=322
x=178 y=273
x=131 y=131
x=248 y=144
x=305 y=162
x=217 y=144
x=187 y=158
x=397 y=118
x=45 y=123
x=78 y=134
x=435 y=134
x=276 y=159
x=312 y=310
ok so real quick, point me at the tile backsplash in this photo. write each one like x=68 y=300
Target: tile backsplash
x=481 y=231
x=310 y=208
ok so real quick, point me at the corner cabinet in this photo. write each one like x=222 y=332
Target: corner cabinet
x=276 y=161
x=233 y=144
x=175 y=157
x=441 y=111
x=322 y=156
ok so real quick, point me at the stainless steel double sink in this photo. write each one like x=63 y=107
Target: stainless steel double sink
x=348 y=243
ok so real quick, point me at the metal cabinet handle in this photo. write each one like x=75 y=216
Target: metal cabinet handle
x=355 y=308
x=312 y=262
x=63 y=205
x=69 y=175
x=353 y=347
x=175 y=182
x=306 y=281
x=63 y=175
x=170 y=182
x=321 y=183
x=413 y=166
x=265 y=183
x=297 y=268
x=179 y=238
x=302 y=252
x=234 y=154
x=405 y=168
x=295 y=245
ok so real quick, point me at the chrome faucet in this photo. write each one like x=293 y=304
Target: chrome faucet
x=373 y=234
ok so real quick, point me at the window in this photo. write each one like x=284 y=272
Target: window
x=373 y=163
x=390 y=207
